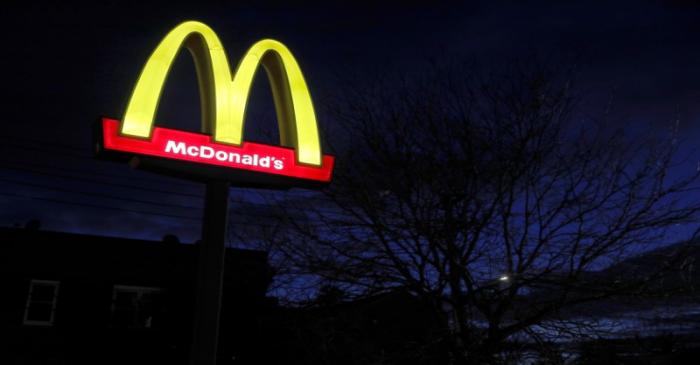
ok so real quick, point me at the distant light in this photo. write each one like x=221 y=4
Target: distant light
x=504 y=278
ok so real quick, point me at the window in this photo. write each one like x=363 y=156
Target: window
x=41 y=303
x=134 y=306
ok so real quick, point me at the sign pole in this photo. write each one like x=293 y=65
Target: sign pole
x=210 y=274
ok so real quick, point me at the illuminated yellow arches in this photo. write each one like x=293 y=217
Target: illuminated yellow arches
x=224 y=97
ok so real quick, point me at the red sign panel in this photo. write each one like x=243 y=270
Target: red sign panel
x=199 y=148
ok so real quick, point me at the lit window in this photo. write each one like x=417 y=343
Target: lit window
x=41 y=303
x=134 y=306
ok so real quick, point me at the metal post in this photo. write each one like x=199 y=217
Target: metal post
x=210 y=274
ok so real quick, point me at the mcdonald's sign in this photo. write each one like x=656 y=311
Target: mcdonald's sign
x=220 y=151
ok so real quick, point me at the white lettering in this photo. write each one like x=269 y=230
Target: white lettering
x=206 y=152
x=234 y=157
x=175 y=147
x=221 y=155
x=193 y=151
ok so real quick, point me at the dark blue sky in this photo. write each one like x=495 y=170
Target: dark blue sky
x=65 y=65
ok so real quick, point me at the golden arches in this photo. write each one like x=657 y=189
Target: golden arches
x=224 y=98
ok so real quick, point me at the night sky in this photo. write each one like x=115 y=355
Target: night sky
x=64 y=66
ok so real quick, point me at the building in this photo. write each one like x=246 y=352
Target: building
x=73 y=299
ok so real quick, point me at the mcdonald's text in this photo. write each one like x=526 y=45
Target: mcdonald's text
x=234 y=158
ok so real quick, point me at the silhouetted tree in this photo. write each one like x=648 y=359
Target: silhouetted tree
x=490 y=198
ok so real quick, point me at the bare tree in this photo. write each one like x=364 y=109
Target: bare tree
x=490 y=198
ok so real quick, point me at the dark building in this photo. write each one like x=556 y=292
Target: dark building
x=74 y=299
